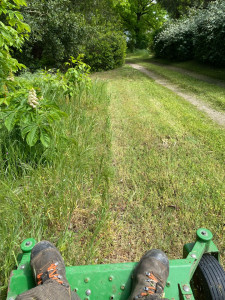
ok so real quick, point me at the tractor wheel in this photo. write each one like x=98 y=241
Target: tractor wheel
x=208 y=282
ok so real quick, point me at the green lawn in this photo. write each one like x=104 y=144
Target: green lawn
x=194 y=66
x=210 y=93
x=140 y=168
x=211 y=71
x=169 y=168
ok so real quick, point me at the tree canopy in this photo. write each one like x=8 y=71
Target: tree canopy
x=139 y=18
x=56 y=32
x=177 y=8
x=64 y=28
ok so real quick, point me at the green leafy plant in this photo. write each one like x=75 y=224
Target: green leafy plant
x=106 y=50
x=28 y=131
x=30 y=115
x=13 y=32
x=175 y=41
x=61 y=29
x=29 y=110
x=28 y=106
x=200 y=36
x=54 y=82
x=76 y=74
x=209 y=36
x=56 y=32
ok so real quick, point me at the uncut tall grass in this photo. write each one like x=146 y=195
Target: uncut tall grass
x=65 y=199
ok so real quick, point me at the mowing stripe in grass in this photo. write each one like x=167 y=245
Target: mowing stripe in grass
x=167 y=159
x=169 y=169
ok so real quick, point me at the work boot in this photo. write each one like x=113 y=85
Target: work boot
x=150 y=276
x=47 y=264
x=50 y=275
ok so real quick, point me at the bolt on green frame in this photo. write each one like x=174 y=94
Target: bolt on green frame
x=113 y=281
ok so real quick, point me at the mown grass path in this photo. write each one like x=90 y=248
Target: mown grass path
x=137 y=167
x=218 y=117
x=192 y=74
x=168 y=161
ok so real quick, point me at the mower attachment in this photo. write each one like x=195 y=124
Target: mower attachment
x=113 y=281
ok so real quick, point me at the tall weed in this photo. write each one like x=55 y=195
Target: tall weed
x=29 y=111
x=66 y=201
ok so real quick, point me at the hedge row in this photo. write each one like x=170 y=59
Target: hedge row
x=57 y=33
x=201 y=36
x=103 y=50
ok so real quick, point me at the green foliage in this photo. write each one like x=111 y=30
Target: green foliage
x=105 y=50
x=209 y=37
x=27 y=124
x=178 y=8
x=175 y=42
x=139 y=18
x=30 y=115
x=199 y=36
x=98 y=13
x=42 y=202
x=76 y=75
x=69 y=83
x=56 y=33
x=13 y=32
x=29 y=112
x=61 y=29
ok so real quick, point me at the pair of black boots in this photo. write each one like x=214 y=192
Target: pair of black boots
x=149 y=277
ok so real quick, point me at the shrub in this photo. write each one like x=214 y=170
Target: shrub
x=57 y=33
x=175 y=42
x=199 y=36
x=27 y=120
x=105 y=50
x=76 y=74
x=209 y=37
x=60 y=31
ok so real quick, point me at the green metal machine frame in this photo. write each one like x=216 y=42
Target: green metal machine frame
x=113 y=281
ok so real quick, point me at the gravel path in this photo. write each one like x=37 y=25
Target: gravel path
x=218 y=117
x=202 y=77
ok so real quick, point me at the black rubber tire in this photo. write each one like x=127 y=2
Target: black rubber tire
x=208 y=282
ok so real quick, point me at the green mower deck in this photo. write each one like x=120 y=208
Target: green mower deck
x=113 y=281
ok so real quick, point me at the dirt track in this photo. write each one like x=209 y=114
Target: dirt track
x=205 y=78
x=218 y=117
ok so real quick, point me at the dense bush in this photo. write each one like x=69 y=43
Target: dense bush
x=175 y=42
x=60 y=30
x=200 y=36
x=209 y=37
x=105 y=50
x=56 y=34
